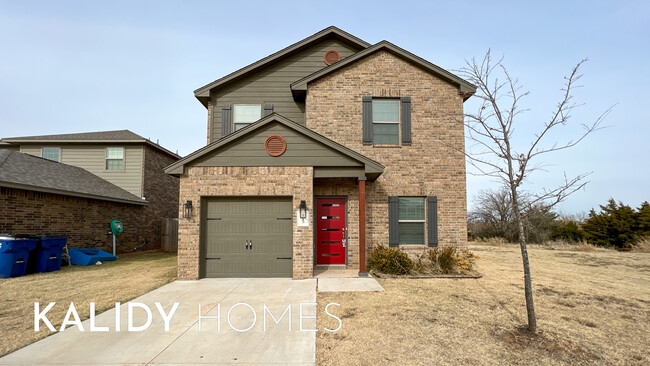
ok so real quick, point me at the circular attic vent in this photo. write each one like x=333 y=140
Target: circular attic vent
x=332 y=56
x=275 y=145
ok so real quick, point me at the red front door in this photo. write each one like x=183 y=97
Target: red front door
x=330 y=231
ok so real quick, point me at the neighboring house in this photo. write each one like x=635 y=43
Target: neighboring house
x=120 y=158
x=318 y=152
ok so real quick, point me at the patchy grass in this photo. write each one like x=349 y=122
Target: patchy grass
x=120 y=281
x=592 y=307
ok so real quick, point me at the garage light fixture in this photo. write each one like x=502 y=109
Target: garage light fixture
x=187 y=210
x=303 y=209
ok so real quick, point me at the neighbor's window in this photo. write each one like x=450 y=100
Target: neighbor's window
x=114 y=158
x=411 y=220
x=385 y=121
x=243 y=115
x=51 y=153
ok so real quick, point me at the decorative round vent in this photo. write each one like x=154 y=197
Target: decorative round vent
x=332 y=56
x=275 y=145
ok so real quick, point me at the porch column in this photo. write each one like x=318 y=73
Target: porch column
x=362 y=227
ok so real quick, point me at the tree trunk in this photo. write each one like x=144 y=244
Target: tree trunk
x=528 y=283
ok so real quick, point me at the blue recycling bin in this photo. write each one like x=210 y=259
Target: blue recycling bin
x=47 y=255
x=87 y=257
x=14 y=254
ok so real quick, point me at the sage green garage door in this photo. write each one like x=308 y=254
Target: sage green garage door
x=248 y=237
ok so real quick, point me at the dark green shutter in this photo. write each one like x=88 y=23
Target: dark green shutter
x=226 y=120
x=367 y=120
x=268 y=109
x=406 y=120
x=393 y=221
x=432 y=220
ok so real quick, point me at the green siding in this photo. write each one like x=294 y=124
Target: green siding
x=301 y=151
x=93 y=159
x=271 y=84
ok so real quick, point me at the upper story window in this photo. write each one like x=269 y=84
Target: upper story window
x=411 y=218
x=51 y=153
x=114 y=158
x=245 y=114
x=385 y=121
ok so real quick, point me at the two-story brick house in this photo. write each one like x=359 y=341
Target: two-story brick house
x=318 y=152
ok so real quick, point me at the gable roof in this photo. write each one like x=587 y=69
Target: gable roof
x=117 y=136
x=466 y=88
x=23 y=171
x=204 y=91
x=372 y=167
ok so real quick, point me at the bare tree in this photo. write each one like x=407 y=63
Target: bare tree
x=491 y=143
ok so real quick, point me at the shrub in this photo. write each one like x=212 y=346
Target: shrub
x=569 y=231
x=642 y=246
x=446 y=260
x=390 y=260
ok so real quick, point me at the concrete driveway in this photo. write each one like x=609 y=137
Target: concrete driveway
x=184 y=344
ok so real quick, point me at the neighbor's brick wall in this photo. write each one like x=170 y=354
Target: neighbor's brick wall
x=433 y=166
x=161 y=191
x=200 y=182
x=85 y=222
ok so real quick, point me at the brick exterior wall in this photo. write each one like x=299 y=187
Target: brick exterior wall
x=161 y=191
x=433 y=165
x=198 y=182
x=84 y=221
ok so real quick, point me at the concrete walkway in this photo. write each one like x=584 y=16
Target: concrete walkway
x=184 y=344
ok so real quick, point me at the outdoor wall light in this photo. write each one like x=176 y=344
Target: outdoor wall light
x=303 y=209
x=187 y=210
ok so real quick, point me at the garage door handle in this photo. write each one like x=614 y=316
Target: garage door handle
x=208 y=258
x=251 y=245
x=283 y=258
x=246 y=244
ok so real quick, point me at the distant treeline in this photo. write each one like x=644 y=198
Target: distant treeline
x=615 y=225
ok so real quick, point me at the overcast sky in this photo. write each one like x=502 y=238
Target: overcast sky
x=101 y=65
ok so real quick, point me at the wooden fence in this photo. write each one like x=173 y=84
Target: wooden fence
x=170 y=235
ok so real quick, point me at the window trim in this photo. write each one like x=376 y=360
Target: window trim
x=423 y=222
x=398 y=122
x=234 y=115
x=52 y=147
x=107 y=159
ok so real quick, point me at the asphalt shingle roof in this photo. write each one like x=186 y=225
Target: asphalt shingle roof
x=18 y=170
x=125 y=136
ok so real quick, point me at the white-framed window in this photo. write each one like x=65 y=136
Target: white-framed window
x=114 y=158
x=385 y=121
x=412 y=219
x=245 y=114
x=51 y=153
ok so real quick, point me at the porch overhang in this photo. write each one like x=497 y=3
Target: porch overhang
x=304 y=147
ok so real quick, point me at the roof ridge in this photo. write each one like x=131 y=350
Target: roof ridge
x=281 y=52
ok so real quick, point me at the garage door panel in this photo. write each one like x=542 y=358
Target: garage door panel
x=266 y=222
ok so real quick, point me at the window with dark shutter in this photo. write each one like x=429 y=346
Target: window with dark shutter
x=268 y=109
x=406 y=120
x=411 y=220
x=367 y=120
x=432 y=227
x=226 y=120
x=393 y=221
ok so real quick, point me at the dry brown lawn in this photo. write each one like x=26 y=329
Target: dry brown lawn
x=120 y=281
x=592 y=307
